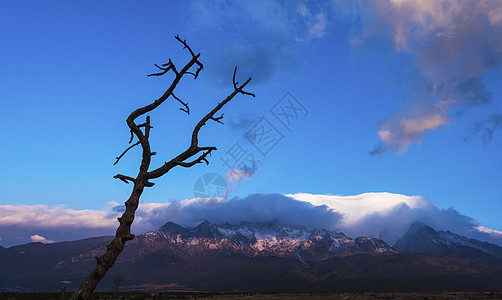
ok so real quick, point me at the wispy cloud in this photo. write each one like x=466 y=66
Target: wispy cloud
x=487 y=127
x=315 y=22
x=242 y=122
x=235 y=176
x=318 y=28
x=453 y=45
x=401 y=130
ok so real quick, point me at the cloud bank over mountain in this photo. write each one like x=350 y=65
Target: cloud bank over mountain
x=384 y=215
x=389 y=215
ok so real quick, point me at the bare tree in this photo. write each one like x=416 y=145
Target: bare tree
x=193 y=155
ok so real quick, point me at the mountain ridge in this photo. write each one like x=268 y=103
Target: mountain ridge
x=265 y=257
x=422 y=238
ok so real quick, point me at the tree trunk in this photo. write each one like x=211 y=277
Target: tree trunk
x=114 y=248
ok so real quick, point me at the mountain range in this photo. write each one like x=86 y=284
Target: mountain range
x=421 y=238
x=261 y=257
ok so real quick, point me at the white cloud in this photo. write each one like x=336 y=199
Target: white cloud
x=387 y=215
x=253 y=208
x=45 y=217
x=40 y=239
x=355 y=208
x=152 y=208
x=112 y=204
x=24 y=223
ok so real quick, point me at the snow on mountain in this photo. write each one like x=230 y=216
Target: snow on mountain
x=421 y=238
x=261 y=257
x=272 y=239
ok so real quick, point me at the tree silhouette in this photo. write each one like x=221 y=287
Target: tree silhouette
x=193 y=155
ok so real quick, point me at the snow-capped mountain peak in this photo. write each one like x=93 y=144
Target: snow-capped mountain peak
x=424 y=239
x=271 y=238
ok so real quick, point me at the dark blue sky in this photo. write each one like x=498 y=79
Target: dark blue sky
x=394 y=96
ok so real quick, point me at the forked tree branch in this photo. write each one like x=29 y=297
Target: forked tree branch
x=194 y=148
x=201 y=158
x=193 y=55
x=186 y=109
x=125 y=151
x=193 y=155
x=147 y=133
x=124 y=178
x=217 y=119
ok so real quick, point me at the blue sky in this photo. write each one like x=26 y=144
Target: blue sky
x=398 y=97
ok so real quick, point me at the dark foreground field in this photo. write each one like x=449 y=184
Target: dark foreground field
x=315 y=296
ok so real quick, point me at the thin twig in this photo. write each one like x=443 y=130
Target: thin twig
x=124 y=178
x=186 y=109
x=125 y=151
x=200 y=159
x=217 y=119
